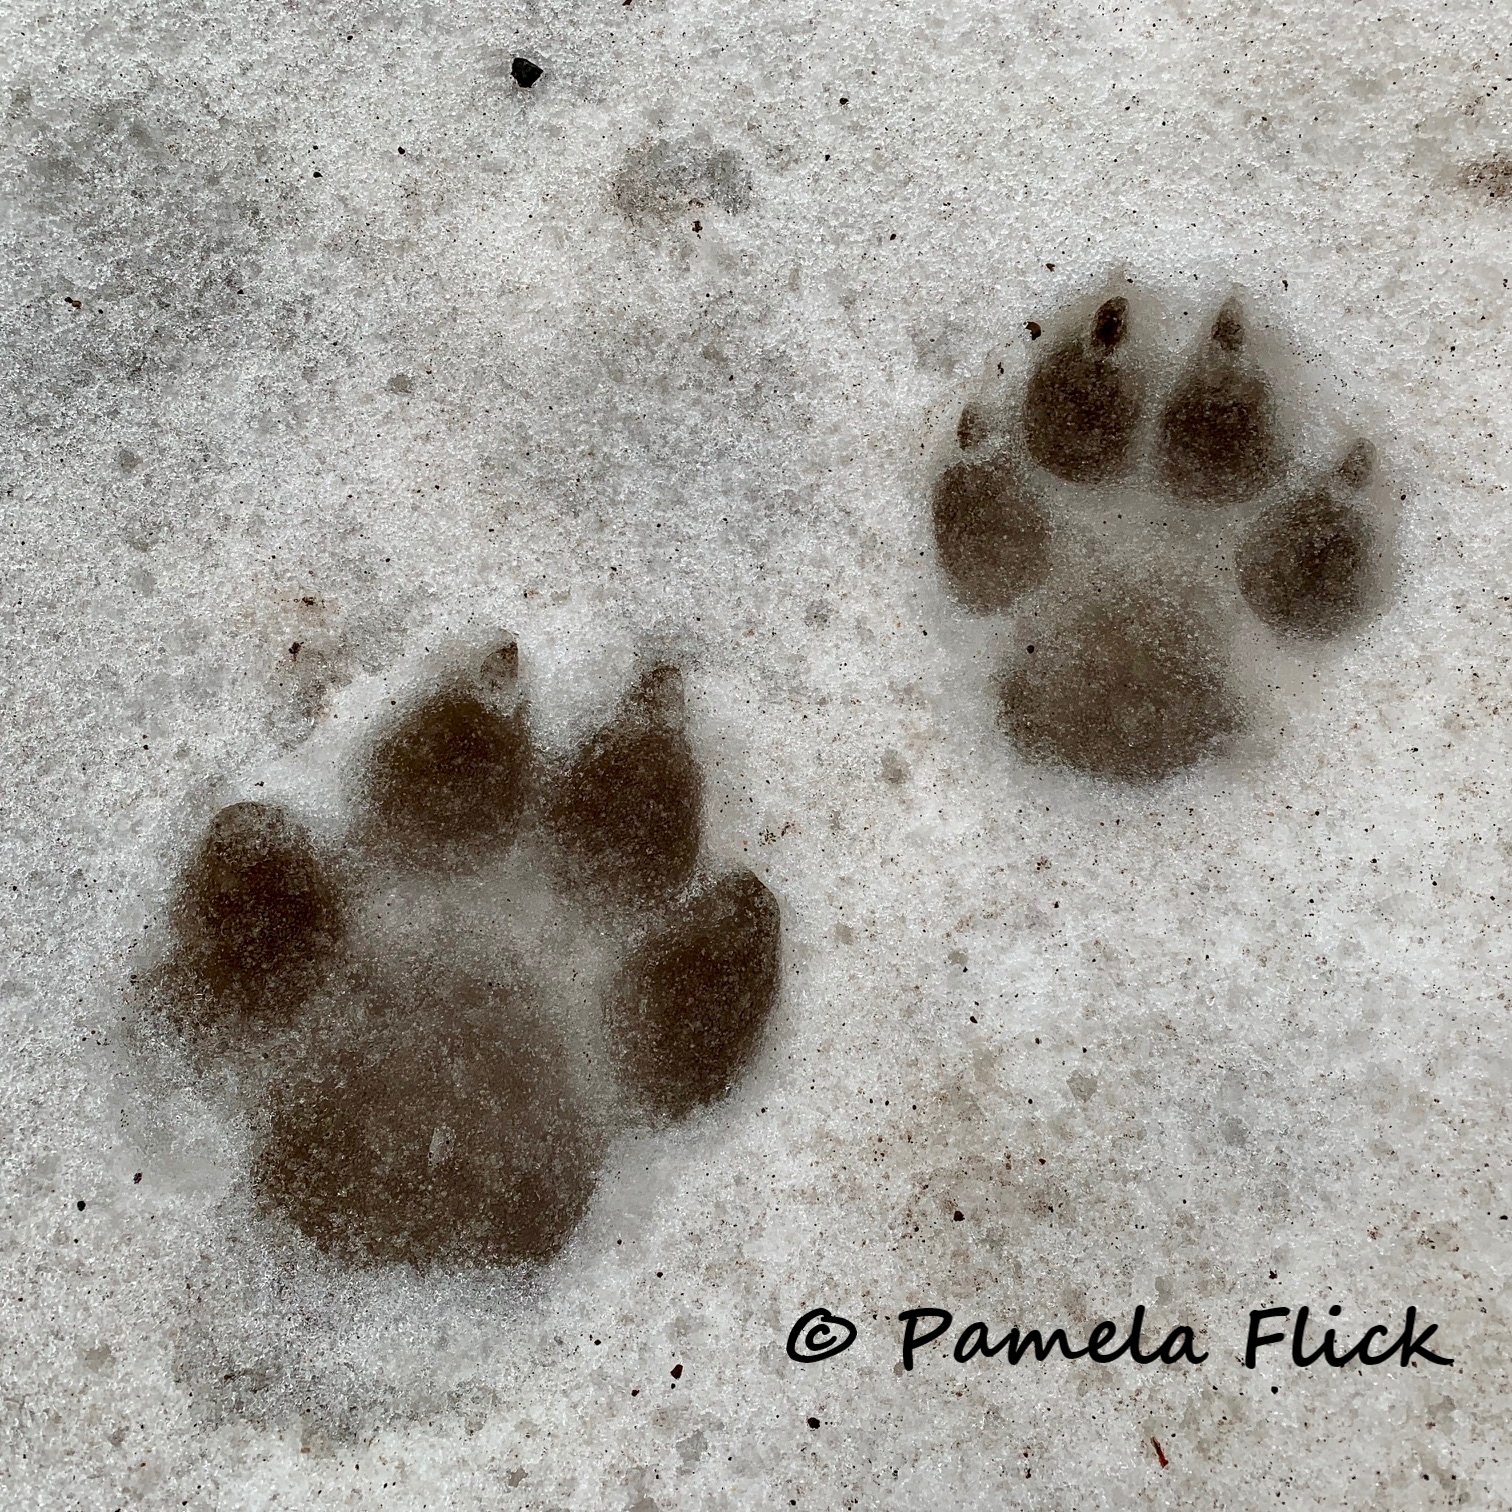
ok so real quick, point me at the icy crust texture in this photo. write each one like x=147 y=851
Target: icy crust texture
x=507 y=959
x=330 y=343
x=1123 y=662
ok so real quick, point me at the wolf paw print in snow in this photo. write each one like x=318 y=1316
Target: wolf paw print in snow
x=439 y=1019
x=1113 y=508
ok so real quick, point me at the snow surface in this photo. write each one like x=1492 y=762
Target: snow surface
x=320 y=329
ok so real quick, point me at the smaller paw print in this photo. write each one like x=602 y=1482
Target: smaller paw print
x=1114 y=509
x=438 y=1021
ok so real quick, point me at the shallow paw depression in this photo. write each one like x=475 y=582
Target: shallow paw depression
x=438 y=1020
x=1104 y=513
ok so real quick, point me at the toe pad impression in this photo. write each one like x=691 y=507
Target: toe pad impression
x=692 y=1001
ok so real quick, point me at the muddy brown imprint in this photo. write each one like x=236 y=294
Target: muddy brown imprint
x=1083 y=401
x=447 y=784
x=257 y=917
x=1121 y=665
x=430 y=1081
x=993 y=539
x=447 y=1131
x=689 y=1007
x=1129 y=688
x=626 y=813
x=1307 y=564
x=1218 y=440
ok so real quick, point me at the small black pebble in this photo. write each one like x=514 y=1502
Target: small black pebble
x=524 y=72
x=81 y=1204
x=137 y=1177
x=1033 y=328
x=813 y=1422
x=959 y=1215
x=677 y=1372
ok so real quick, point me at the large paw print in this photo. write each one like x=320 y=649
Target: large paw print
x=1106 y=510
x=438 y=1022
